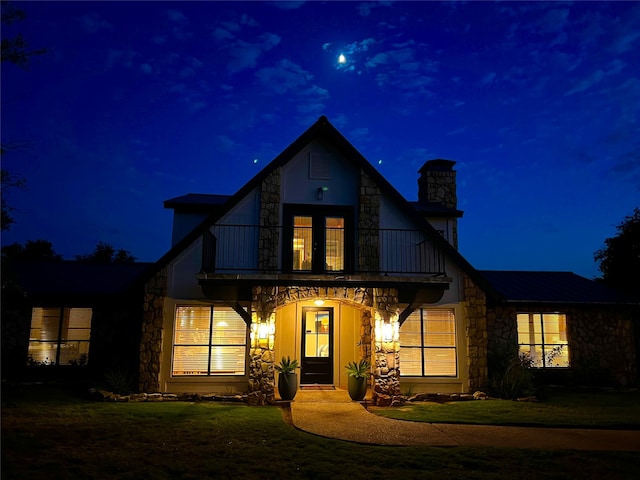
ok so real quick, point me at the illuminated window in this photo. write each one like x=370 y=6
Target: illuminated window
x=209 y=341
x=542 y=338
x=316 y=239
x=302 y=243
x=59 y=336
x=334 y=243
x=428 y=344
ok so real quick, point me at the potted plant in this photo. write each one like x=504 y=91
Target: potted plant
x=358 y=373
x=287 y=378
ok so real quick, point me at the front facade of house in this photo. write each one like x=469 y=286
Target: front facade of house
x=320 y=259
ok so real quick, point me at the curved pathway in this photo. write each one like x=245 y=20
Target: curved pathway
x=332 y=414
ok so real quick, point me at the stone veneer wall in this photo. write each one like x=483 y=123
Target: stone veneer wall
x=475 y=312
x=262 y=359
x=269 y=222
x=155 y=292
x=601 y=340
x=387 y=354
x=438 y=186
x=368 y=224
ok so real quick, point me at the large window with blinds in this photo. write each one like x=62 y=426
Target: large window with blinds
x=542 y=339
x=428 y=344
x=208 y=340
x=59 y=336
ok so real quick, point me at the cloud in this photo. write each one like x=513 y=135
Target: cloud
x=146 y=68
x=222 y=34
x=93 y=22
x=287 y=5
x=286 y=76
x=596 y=77
x=176 y=16
x=364 y=8
x=245 y=55
x=488 y=78
x=225 y=143
x=554 y=20
x=378 y=59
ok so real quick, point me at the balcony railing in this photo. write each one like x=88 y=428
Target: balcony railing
x=255 y=249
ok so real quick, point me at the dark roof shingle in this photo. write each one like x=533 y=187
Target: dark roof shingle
x=552 y=287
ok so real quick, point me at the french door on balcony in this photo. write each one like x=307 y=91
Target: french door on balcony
x=317 y=239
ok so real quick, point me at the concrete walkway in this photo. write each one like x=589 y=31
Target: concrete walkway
x=331 y=413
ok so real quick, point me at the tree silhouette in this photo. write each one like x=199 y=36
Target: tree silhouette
x=620 y=258
x=32 y=250
x=105 y=253
x=14 y=50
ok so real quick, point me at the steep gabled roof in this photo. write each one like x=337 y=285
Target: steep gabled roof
x=322 y=129
x=196 y=202
x=552 y=287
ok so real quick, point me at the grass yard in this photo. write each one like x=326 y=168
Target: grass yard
x=585 y=409
x=48 y=433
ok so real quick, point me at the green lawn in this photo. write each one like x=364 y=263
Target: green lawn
x=51 y=434
x=612 y=409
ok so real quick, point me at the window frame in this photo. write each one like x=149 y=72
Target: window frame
x=210 y=346
x=543 y=345
x=424 y=348
x=318 y=214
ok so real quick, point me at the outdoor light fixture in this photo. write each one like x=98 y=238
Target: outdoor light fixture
x=263 y=331
x=319 y=302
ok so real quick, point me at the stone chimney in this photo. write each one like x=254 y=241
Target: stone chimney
x=437 y=183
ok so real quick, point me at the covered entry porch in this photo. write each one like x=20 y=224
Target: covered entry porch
x=325 y=325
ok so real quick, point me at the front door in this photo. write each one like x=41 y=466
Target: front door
x=317 y=346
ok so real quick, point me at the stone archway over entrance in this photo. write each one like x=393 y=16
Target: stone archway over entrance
x=378 y=342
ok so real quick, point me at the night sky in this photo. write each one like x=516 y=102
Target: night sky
x=136 y=103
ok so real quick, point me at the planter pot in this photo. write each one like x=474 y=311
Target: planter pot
x=287 y=385
x=357 y=387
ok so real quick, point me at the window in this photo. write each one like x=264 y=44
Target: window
x=209 y=340
x=316 y=239
x=542 y=337
x=59 y=336
x=428 y=344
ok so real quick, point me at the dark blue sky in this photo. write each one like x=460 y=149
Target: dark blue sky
x=136 y=103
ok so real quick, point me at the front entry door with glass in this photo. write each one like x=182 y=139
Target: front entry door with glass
x=317 y=346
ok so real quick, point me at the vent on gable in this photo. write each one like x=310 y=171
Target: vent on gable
x=319 y=166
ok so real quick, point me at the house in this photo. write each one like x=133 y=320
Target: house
x=319 y=258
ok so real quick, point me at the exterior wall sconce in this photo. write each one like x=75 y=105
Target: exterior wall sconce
x=319 y=302
x=387 y=331
x=263 y=331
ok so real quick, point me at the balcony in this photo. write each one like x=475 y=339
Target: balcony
x=251 y=249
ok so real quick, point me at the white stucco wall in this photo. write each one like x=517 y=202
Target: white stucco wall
x=318 y=166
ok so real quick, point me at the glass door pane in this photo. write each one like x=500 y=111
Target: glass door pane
x=302 y=243
x=334 y=244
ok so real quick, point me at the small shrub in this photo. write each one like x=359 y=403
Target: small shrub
x=119 y=381
x=511 y=375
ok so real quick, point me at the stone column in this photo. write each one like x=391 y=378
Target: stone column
x=155 y=292
x=368 y=225
x=269 y=222
x=475 y=311
x=262 y=358
x=386 y=346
